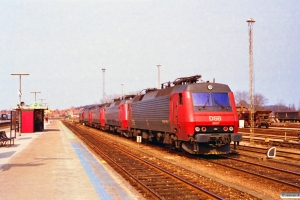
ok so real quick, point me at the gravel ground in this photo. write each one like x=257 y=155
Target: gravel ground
x=223 y=176
x=229 y=178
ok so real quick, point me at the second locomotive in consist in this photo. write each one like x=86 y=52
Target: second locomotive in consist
x=196 y=117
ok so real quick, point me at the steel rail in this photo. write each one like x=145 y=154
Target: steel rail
x=279 y=153
x=259 y=175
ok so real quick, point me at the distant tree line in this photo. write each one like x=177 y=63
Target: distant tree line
x=260 y=102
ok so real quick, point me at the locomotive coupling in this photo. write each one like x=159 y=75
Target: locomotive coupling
x=203 y=138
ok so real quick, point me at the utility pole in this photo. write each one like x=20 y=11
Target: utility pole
x=35 y=96
x=250 y=29
x=158 y=78
x=104 y=95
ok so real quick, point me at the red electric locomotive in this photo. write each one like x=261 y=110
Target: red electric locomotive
x=116 y=115
x=86 y=117
x=196 y=117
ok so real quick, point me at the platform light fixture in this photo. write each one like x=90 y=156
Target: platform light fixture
x=20 y=91
x=35 y=96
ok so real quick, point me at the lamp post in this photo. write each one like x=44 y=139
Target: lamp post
x=20 y=91
x=20 y=95
x=122 y=89
x=158 y=78
x=42 y=101
x=35 y=96
x=104 y=95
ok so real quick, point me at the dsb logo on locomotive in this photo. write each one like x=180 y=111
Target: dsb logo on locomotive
x=215 y=118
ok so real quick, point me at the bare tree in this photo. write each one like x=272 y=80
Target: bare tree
x=259 y=101
x=241 y=98
x=292 y=107
x=109 y=98
x=281 y=105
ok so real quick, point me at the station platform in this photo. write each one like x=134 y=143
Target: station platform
x=54 y=164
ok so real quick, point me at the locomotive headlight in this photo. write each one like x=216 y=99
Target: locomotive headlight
x=197 y=129
x=203 y=129
x=230 y=128
x=225 y=128
x=210 y=87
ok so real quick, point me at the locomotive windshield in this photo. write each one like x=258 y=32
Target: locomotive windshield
x=211 y=99
x=220 y=99
x=202 y=99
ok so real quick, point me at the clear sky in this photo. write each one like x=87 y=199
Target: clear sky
x=64 y=45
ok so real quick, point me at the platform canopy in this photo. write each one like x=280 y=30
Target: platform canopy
x=33 y=106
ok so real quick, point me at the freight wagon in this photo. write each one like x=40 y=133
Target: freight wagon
x=288 y=116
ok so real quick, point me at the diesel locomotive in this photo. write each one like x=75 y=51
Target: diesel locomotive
x=198 y=117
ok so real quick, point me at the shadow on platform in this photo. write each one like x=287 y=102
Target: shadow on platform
x=7 y=154
x=46 y=130
x=25 y=138
x=7 y=167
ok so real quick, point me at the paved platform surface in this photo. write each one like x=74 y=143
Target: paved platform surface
x=54 y=164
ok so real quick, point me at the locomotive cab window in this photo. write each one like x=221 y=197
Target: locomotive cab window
x=180 y=99
x=202 y=99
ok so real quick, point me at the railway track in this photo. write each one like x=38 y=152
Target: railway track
x=286 y=125
x=270 y=142
x=274 y=136
x=280 y=131
x=281 y=137
x=279 y=153
x=285 y=179
x=150 y=179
